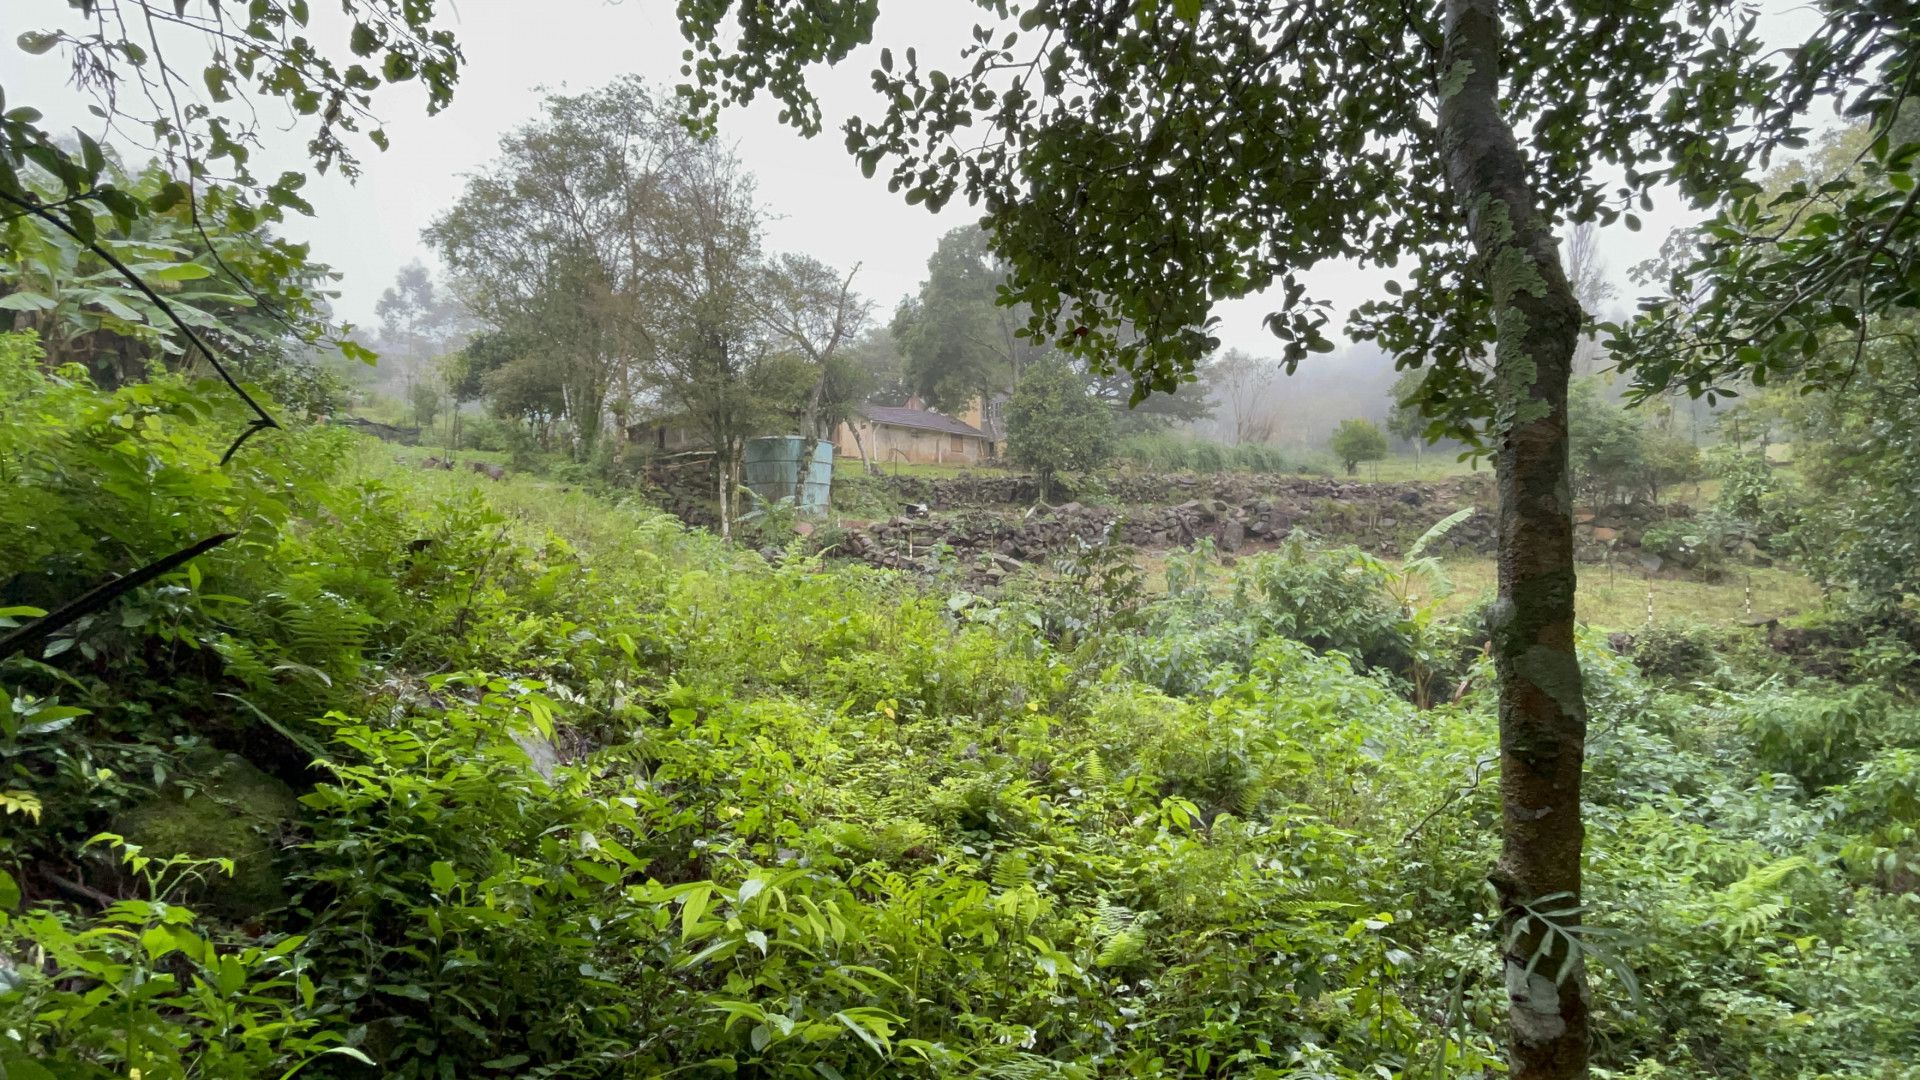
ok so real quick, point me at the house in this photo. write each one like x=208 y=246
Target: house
x=913 y=434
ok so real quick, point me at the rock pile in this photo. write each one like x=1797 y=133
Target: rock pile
x=1382 y=527
x=1154 y=489
x=682 y=485
x=1618 y=528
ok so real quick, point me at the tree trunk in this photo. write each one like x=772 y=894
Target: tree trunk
x=866 y=461
x=722 y=470
x=810 y=418
x=1542 y=709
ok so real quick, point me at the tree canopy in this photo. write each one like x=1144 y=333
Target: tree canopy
x=1816 y=254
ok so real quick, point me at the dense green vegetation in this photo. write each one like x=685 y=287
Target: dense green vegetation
x=580 y=792
x=318 y=758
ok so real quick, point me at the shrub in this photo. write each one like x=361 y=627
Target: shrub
x=1208 y=457
x=1692 y=545
x=1357 y=441
x=1671 y=650
x=1055 y=425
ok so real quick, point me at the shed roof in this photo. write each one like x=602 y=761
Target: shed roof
x=919 y=418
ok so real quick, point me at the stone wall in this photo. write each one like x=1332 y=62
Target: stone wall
x=1380 y=520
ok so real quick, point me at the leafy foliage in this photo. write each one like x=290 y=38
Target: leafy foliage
x=1357 y=441
x=587 y=794
x=1054 y=425
x=216 y=265
x=1127 y=206
x=1618 y=456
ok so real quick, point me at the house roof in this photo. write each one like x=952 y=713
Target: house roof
x=919 y=418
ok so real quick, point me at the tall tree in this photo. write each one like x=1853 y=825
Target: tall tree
x=811 y=308
x=420 y=319
x=1587 y=276
x=1241 y=384
x=1146 y=159
x=960 y=344
x=555 y=241
x=703 y=348
x=1405 y=420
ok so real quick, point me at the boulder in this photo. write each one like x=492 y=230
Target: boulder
x=221 y=807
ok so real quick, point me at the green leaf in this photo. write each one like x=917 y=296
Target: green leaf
x=410 y=991
x=442 y=874
x=694 y=906
x=10 y=893
x=37 y=42
x=186 y=271
x=170 y=195
x=26 y=301
x=20 y=1067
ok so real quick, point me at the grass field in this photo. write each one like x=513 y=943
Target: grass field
x=1617 y=600
x=1433 y=465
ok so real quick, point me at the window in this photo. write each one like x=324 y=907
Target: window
x=958 y=444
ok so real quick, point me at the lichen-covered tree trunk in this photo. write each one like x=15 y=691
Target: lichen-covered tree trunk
x=1542 y=712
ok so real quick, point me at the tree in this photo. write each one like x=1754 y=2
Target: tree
x=556 y=240
x=1054 y=425
x=1814 y=256
x=962 y=345
x=1146 y=160
x=1618 y=455
x=1587 y=277
x=1858 y=450
x=1156 y=412
x=420 y=322
x=809 y=307
x=1405 y=421
x=424 y=399
x=959 y=344
x=1355 y=441
x=1608 y=446
x=1241 y=383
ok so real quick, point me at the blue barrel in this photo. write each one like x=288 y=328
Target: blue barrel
x=773 y=471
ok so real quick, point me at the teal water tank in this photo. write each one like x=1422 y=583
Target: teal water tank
x=790 y=467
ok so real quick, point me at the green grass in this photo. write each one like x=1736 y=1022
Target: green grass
x=1617 y=600
x=1433 y=465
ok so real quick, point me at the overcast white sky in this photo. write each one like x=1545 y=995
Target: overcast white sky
x=822 y=205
